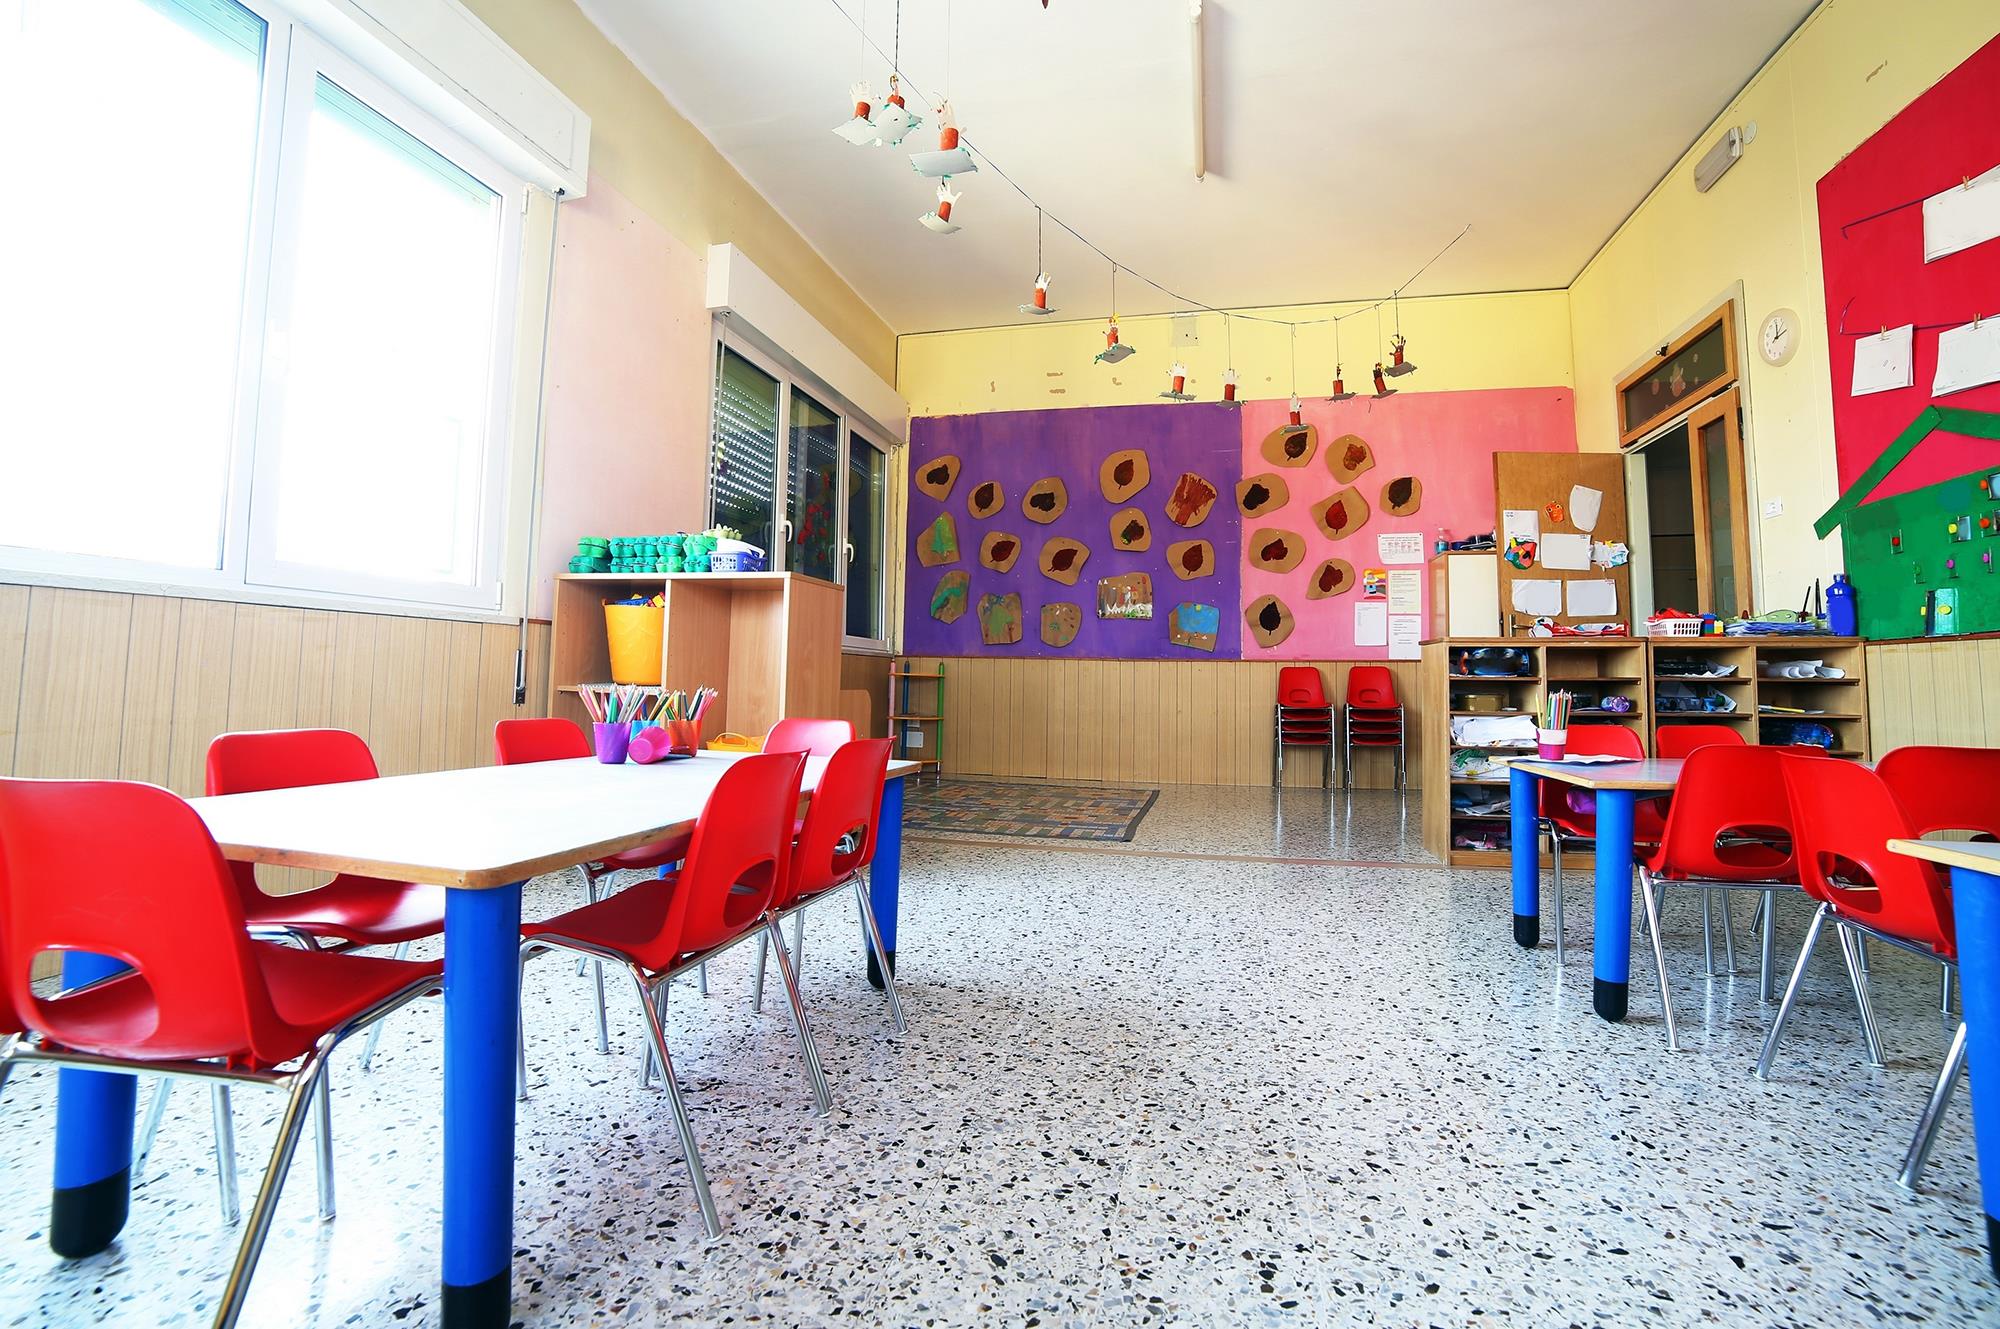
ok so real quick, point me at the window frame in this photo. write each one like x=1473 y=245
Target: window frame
x=294 y=55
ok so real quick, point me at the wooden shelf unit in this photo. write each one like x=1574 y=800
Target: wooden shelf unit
x=921 y=713
x=1845 y=700
x=768 y=641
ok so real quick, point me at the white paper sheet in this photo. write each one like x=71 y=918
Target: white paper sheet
x=1371 y=623
x=1400 y=546
x=1406 y=637
x=1584 y=505
x=1967 y=357
x=1882 y=361
x=1563 y=552
x=1538 y=597
x=1406 y=591
x=1520 y=524
x=1592 y=599
x=1962 y=216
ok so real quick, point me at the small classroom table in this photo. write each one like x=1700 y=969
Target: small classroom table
x=1975 y=907
x=481 y=833
x=1619 y=786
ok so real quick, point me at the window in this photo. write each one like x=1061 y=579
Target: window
x=265 y=340
x=812 y=494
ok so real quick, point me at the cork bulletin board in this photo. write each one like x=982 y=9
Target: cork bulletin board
x=1534 y=480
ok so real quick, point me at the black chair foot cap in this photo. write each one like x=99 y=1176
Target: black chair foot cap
x=83 y=1220
x=1528 y=930
x=479 y=1305
x=875 y=970
x=1608 y=998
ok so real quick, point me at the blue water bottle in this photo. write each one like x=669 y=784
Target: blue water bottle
x=1841 y=614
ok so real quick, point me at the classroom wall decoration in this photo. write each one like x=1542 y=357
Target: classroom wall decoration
x=1278 y=574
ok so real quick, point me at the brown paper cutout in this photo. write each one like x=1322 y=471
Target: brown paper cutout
x=1259 y=494
x=1046 y=499
x=938 y=545
x=1131 y=531
x=948 y=600
x=986 y=498
x=1191 y=501
x=1180 y=634
x=1191 y=558
x=1060 y=622
x=1402 y=496
x=937 y=476
x=1341 y=513
x=998 y=550
x=1128 y=595
x=1062 y=559
x=1269 y=621
x=1289 y=447
x=1273 y=549
x=1123 y=474
x=1000 y=619
x=1334 y=576
x=1349 y=457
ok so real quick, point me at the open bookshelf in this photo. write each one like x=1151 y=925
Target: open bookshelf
x=1763 y=702
x=916 y=715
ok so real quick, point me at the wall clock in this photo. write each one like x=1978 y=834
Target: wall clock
x=1778 y=339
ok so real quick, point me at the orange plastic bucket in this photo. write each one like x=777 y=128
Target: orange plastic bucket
x=635 y=634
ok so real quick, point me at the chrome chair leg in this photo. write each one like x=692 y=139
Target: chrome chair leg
x=1725 y=900
x=817 y=1074
x=1708 y=932
x=1857 y=978
x=656 y=1038
x=1944 y=991
x=323 y=1109
x=757 y=983
x=701 y=977
x=1927 y=1125
x=1767 y=947
x=799 y=944
x=402 y=952
x=521 y=1033
x=866 y=908
x=1770 y=1051
x=1647 y=894
x=266 y=1206
x=156 y=1112
x=225 y=1150
x=1556 y=855
x=659 y=998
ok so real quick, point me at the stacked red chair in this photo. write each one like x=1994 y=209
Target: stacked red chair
x=1374 y=717
x=1304 y=718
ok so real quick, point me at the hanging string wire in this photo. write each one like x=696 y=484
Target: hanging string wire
x=1295 y=360
x=994 y=167
x=1040 y=271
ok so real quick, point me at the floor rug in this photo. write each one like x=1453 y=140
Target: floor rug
x=1038 y=811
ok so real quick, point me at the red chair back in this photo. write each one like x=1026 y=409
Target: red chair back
x=1843 y=817
x=1730 y=819
x=814 y=738
x=742 y=838
x=1678 y=740
x=1371 y=688
x=520 y=742
x=1587 y=740
x=847 y=798
x=171 y=913
x=1945 y=789
x=249 y=763
x=1300 y=685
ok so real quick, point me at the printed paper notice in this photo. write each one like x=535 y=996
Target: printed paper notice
x=1371 y=623
x=1882 y=361
x=1967 y=357
x=1406 y=591
x=1584 y=505
x=1400 y=547
x=1520 y=524
x=1593 y=599
x=1538 y=597
x=1563 y=552
x=1963 y=216
x=1405 y=637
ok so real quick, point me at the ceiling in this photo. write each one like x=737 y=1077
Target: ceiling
x=1346 y=141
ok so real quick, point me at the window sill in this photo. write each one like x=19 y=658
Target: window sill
x=256 y=595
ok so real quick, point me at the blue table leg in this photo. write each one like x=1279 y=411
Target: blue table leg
x=885 y=875
x=94 y=1112
x=1524 y=848
x=482 y=1012
x=1613 y=943
x=1976 y=905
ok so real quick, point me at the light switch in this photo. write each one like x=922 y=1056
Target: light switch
x=1773 y=507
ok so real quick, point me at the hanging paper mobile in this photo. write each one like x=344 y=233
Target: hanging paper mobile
x=1229 y=386
x=860 y=128
x=1114 y=350
x=1295 y=416
x=939 y=218
x=1177 y=384
x=950 y=158
x=1398 y=366
x=1382 y=388
x=1340 y=392
x=1039 y=302
x=895 y=120
x=1229 y=357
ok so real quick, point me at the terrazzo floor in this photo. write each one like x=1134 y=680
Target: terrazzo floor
x=1199 y=1079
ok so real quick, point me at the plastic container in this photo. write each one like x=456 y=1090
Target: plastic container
x=613 y=741
x=735 y=743
x=649 y=744
x=736 y=556
x=1673 y=627
x=1550 y=744
x=635 y=634
x=683 y=735
x=1843 y=613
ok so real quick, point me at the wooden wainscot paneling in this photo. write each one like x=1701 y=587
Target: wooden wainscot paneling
x=1944 y=690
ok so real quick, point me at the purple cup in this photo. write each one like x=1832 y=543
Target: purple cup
x=612 y=741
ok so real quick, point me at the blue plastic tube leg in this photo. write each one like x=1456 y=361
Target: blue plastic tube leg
x=1612 y=946
x=482 y=1013
x=1976 y=905
x=885 y=875
x=94 y=1117
x=1525 y=855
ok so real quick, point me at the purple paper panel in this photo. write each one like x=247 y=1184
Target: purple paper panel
x=1017 y=448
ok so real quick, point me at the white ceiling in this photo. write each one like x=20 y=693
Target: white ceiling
x=1347 y=139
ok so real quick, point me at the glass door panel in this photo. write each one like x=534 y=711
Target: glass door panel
x=812 y=488
x=867 y=484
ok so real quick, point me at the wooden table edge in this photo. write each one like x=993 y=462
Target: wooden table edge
x=1949 y=853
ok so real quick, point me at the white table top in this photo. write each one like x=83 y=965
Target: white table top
x=1978 y=855
x=477 y=828
x=1652 y=774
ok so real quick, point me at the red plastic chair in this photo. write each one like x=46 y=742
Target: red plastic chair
x=1563 y=824
x=1304 y=718
x=1946 y=789
x=1374 y=717
x=814 y=738
x=738 y=862
x=1678 y=740
x=206 y=1002
x=1844 y=816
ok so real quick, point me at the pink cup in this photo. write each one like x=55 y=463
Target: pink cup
x=1551 y=743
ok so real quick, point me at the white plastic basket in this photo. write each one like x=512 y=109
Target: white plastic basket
x=1673 y=627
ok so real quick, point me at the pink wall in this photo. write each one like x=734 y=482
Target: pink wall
x=1445 y=439
x=628 y=384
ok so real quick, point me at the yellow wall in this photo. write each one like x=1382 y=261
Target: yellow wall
x=1456 y=342
x=664 y=165
x=1847 y=71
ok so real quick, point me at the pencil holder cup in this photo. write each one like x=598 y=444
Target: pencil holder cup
x=1550 y=743
x=613 y=740
x=684 y=735
x=649 y=744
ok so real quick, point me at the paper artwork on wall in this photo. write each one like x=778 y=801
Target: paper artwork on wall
x=1334 y=576
x=1060 y=622
x=1564 y=552
x=1269 y=621
x=1592 y=599
x=1194 y=626
x=1406 y=637
x=1405 y=547
x=1123 y=474
x=939 y=543
x=1610 y=553
x=1341 y=513
x=1131 y=530
x=1272 y=549
x=1046 y=499
x=1258 y=494
x=1127 y=595
x=1884 y=362
x=1402 y=496
x=948 y=600
x=1290 y=449
x=1374 y=583
x=1965 y=215
x=1000 y=619
x=1537 y=597
x=1968 y=356
x=1524 y=524
x=937 y=477
x=998 y=551
x=1063 y=559
x=986 y=498
x=1349 y=458
x=1406 y=591
x=1191 y=558
x=1191 y=500
x=1371 y=623
x=1584 y=505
